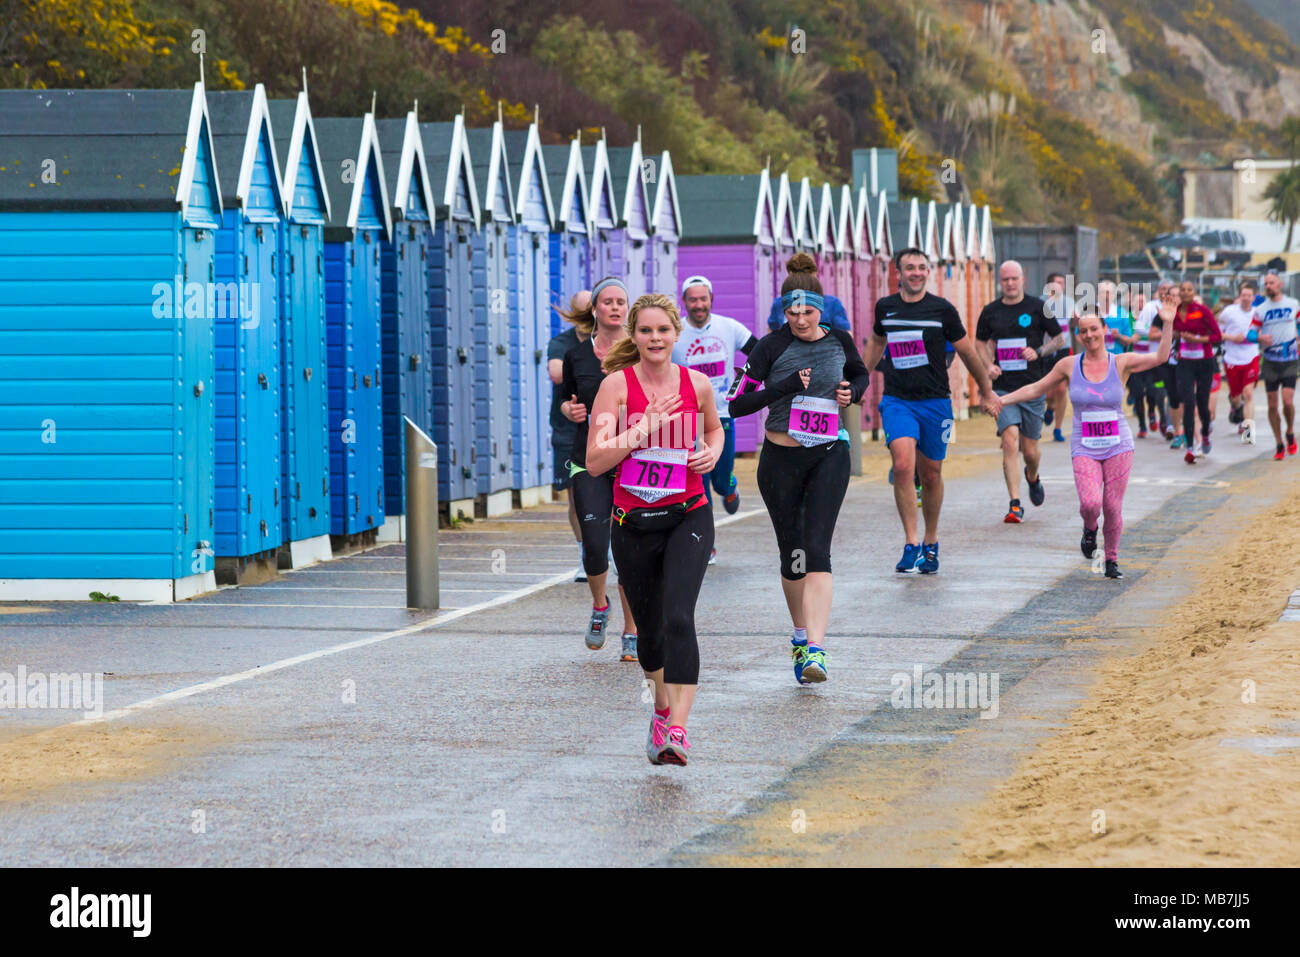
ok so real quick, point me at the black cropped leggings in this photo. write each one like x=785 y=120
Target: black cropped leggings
x=1195 y=376
x=803 y=490
x=593 y=499
x=661 y=574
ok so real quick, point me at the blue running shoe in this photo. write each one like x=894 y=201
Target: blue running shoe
x=910 y=560
x=1057 y=436
x=799 y=652
x=929 y=563
x=814 y=666
x=1047 y=416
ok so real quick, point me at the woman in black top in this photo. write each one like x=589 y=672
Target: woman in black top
x=809 y=372
x=593 y=495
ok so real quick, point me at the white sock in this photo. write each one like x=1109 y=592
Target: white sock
x=801 y=636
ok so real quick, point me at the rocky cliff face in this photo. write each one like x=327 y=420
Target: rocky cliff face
x=1072 y=54
x=1232 y=92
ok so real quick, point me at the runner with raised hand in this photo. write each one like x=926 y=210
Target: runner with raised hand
x=649 y=413
x=1101 y=445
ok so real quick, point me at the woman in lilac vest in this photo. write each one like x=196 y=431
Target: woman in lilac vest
x=1101 y=447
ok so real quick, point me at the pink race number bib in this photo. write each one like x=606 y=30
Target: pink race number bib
x=1011 y=355
x=813 y=421
x=1099 y=430
x=907 y=349
x=651 y=474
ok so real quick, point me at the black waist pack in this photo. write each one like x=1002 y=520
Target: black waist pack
x=652 y=519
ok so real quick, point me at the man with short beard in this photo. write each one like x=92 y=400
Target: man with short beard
x=708 y=343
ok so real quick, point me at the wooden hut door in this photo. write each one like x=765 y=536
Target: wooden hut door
x=198 y=409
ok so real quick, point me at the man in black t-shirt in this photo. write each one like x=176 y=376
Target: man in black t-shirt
x=909 y=339
x=1019 y=337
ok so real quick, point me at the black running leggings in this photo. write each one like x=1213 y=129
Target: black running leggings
x=1195 y=376
x=803 y=490
x=661 y=574
x=593 y=499
x=1148 y=399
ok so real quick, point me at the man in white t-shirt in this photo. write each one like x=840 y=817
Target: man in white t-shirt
x=1274 y=326
x=1240 y=359
x=709 y=344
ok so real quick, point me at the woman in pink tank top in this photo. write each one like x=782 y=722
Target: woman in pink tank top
x=1101 y=448
x=656 y=425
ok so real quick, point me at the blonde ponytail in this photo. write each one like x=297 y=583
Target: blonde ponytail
x=580 y=312
x=624 y=353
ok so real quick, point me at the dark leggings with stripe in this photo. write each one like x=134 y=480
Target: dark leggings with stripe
x=661 y=574
x=803 y=490
x=593 y=499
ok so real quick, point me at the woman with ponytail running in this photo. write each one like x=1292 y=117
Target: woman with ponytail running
x=808 y=372
x=1101 y=448
x=648 y=414
x=593 y=495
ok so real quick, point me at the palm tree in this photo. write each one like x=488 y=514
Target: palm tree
x=1283 y=195
x=1289 y=130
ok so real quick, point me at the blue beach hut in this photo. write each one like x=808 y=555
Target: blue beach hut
x=492 y=318
x=407 y=330
x=666 y=217
x=455 y=218
x=608 y=237
x=629 y=181
x=109 y=201
x=359 y=223
x=530 y=328
x=247 y=328
x=570 y=228
x=304 y=378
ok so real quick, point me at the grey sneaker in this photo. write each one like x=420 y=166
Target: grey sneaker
x=655 y=738
x=629 y=648
x=596 y=627
x=676 y=748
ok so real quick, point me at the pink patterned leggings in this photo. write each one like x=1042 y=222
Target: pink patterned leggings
x=1101 y=486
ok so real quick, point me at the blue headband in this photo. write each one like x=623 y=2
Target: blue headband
x=605 y=284
x=802 y=297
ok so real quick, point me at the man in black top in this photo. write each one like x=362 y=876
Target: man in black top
x=909 y=338
x=1019 y=336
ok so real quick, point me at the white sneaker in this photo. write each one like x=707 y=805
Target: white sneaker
x=581 y=574
x=1197 y=450
x=1248 y=432
x=713 y=556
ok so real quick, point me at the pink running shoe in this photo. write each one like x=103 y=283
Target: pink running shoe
x=656 y=738
x=676 y=747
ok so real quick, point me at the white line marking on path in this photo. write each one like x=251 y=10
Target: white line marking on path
x=181 y=693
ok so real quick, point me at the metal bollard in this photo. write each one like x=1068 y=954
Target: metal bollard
x=851 y=418
x=421 y=519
